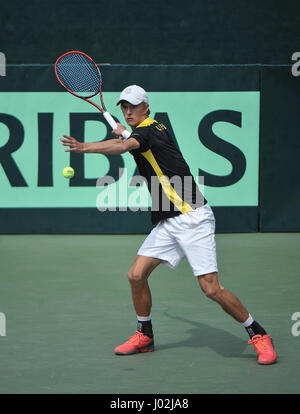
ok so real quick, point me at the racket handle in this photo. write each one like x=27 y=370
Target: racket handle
x=110 y=119
x=125 y=134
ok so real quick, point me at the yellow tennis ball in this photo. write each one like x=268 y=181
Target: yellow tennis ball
x=68 y=172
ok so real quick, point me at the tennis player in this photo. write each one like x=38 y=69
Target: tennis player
x=184 y=223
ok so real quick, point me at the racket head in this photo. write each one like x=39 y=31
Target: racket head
x=78 y=74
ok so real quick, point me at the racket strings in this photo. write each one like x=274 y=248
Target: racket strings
x=79 y=74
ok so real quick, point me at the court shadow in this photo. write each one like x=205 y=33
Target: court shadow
x=201 y=335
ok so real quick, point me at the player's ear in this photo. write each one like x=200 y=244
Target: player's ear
x=146 y=106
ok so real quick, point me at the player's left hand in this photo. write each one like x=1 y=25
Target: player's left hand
x=72 y=143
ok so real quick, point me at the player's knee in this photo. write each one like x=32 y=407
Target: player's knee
x=212 y=292
x=210 y=286
x=134 y=276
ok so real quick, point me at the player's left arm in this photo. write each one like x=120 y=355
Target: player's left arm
x=110 y=146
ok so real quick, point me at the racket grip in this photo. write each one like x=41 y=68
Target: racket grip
x=110 y=119
x=125 y=134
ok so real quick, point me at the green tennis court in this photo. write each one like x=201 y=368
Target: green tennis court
x=67 y=304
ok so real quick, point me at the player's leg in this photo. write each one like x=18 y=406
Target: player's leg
x=231 y=304
x=138 y=275
x=158 y=247
x=195 y=232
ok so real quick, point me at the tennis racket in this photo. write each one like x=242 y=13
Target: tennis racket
x=81 y=76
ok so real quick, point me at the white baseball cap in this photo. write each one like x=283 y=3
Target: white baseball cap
x=133 y=94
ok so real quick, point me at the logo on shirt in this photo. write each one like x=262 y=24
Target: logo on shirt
x=160 y=127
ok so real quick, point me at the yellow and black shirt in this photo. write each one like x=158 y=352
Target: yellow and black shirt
x=169 y=179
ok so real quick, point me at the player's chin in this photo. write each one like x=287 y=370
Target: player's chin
x=131 y=122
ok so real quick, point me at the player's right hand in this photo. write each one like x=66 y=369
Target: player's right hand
x=118 y=131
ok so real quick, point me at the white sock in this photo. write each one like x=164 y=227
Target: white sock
x=248 y=322
x=143 y=318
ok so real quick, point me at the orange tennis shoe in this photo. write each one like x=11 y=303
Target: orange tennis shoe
x=136 y=343
x=264 y=347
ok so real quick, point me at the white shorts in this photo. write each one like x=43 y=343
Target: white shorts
x=191 y=234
